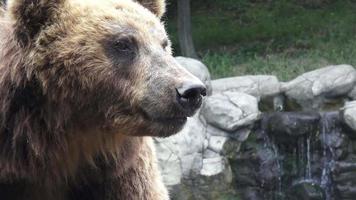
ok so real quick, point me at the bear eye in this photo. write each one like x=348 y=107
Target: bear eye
x=124 y=46
x=121 y=50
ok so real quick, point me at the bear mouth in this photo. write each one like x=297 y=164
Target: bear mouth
x=166 y=120
x=168 y=126
x=172 y=121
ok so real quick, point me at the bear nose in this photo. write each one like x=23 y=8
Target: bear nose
x=190 y=94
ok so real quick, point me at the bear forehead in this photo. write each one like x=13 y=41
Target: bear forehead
x=121 y=10
x=114 y=16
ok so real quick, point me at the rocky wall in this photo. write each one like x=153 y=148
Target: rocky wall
x=258 y=138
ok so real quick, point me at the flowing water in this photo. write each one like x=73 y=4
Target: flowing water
x=302 y=152
x=327 y=125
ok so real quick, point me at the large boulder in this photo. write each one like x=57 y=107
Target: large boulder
x=230 y=110
x=198 y=69
x=344 y=177
x=258 y=86
x=352 y=94
x=349 y=114
x=168 y=154
x=181 y=155
x=287 y=124
x=312 y=88
x=192 y=162
x=306 y=190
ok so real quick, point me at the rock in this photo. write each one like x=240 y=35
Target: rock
x=198 y=69
x=352 y=94
x=253 y=193
x=334 y=139
x=349 y=114
x=213 y=131
x=286 y=124
x=240 y=135
x=212 y=166
x=216 y=143
x=227 y=152
x=231 y=149
x=268 y=171
x=258 y=86
x=170 y=164
x=345 y=179
x=347 y=192
x=306 y=191
x=255 y=165
x=210 y=154
x=230 y=110
x=214 y=187
x=311 y=88
x=341 y=167
x=181 y=155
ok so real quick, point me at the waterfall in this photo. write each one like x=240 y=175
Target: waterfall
x=295 y=151
x=327 y=126
x=308 y=168
x=269 y=143
x=279 y=168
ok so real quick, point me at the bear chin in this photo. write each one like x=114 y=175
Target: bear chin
x=141 y=125
x=164 y=127
x=168 y=127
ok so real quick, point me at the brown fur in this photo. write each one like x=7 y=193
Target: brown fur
x=79 y=81
x=157 y=7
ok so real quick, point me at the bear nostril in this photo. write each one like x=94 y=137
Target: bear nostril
x=190 y=95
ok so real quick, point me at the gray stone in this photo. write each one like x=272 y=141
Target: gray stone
x=210 y=154
x=258 y=86
x=349 y=114
x=242 y=135
x=231 y=149
x=341 y=167
x=311 y=88
x=306 y=191
x=216 y=143
x=230 y=110
x=344 y=178
x=214 y=131
x=181 y=154
x=286 y=124
x=191 y=164
x=212 y=166
x=347 y=192
x=223 y=153
x=352 y=94
x=198 y=69
x=169 y=162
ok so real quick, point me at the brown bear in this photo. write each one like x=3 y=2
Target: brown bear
x=84 y=85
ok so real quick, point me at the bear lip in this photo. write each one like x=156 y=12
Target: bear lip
x=171 y=120
x=168 y=120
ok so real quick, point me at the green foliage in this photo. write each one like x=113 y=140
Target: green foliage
x=229 y=197
x=281 y=37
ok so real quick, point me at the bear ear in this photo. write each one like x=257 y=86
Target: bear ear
x=31 y=16
x=158 y=7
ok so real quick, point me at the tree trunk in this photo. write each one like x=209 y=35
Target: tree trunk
x=185 y=29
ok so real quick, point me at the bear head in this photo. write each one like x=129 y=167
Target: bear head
x=104 y=64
